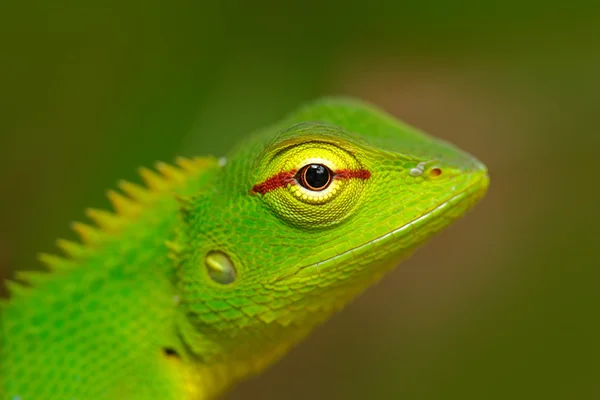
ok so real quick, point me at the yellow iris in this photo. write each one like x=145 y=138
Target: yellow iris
x=308 y=208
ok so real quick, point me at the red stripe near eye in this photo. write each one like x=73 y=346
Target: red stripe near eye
x=283 y=179
x=349 y=174
x=280 y=180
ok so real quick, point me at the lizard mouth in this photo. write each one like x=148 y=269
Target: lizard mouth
x=433 y=220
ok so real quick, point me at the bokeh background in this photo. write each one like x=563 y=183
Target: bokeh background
x=502 y=305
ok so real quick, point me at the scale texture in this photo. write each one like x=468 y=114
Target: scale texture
x=213 y=269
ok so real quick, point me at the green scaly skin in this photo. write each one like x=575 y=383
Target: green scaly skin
x=215 y=269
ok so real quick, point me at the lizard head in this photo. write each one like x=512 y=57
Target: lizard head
x=306 y=215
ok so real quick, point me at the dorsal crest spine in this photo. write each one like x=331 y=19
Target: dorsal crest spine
x=127 y=207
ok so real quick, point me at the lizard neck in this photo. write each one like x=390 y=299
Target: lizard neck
x=217 y=365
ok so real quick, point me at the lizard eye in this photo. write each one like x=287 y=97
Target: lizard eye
x=315 y=177
x=313 y=184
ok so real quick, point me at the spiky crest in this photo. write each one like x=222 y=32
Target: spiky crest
x=127 y=207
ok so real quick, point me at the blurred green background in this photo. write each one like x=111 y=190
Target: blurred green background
x=502 y=305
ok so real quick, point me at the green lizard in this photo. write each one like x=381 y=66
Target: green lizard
x=217 y=267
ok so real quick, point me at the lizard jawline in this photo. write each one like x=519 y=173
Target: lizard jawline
x=472 y=192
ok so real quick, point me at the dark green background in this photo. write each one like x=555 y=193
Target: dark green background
x=502 y=305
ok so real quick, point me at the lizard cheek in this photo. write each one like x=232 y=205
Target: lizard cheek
x=220 y=268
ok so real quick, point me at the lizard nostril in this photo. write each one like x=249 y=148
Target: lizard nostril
x=435 y=172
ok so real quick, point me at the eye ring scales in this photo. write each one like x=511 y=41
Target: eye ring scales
x=315 y=177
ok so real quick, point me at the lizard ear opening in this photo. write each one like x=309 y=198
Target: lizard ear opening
x=220 y=268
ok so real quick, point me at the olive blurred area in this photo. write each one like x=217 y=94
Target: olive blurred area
x=502 y=305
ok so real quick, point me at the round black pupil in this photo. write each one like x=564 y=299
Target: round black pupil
x=317 y=176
